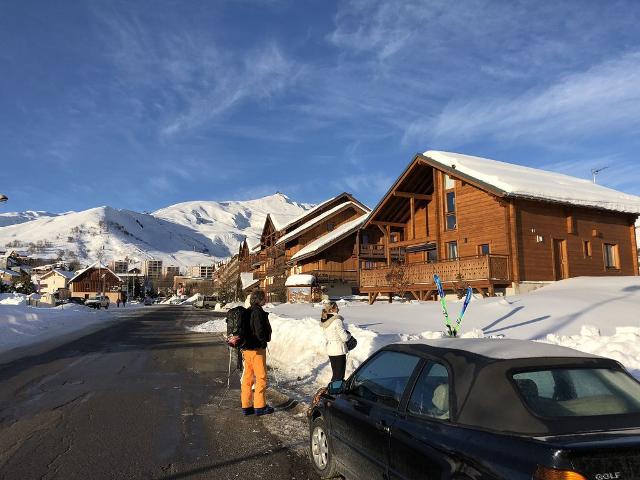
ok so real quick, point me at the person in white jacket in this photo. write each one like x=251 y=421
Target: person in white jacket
x=336 y=337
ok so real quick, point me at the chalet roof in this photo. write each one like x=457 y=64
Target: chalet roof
x=331 y=238
x=99 y=265
x=344 y=196
x=64 y=273
x=316 y=220
x=281 y=220
x=510 y=180
x=11 y=273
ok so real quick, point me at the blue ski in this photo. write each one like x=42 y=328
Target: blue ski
x=443 y=304
x=467 y=299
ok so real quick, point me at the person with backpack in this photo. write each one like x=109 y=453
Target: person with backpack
x=336 y=337
x=256 y=334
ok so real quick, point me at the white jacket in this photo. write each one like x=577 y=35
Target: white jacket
x=335 y=335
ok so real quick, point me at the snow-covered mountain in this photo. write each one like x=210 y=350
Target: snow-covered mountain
x=13 y=218
x=185 y=234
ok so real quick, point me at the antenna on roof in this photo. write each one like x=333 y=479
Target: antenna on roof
x=596 y=171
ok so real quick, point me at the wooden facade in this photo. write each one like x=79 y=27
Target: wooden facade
x=338 y=264
x=96 y=280
x=435 y=220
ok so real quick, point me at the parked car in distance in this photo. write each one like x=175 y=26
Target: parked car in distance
x=159 y=299
x=147 y=301
x=471 y=409
x=77 y=300
x=205 y=302
x=99 y=301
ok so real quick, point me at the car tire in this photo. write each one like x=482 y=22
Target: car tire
x=106 y=307
x=98 y=306
x=322 y=459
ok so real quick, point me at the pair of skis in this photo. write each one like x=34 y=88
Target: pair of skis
x=452 y=330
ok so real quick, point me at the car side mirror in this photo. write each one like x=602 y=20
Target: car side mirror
x=336 y=387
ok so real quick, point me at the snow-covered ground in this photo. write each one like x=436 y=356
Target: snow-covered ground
x=22 y=325
x=594 y=315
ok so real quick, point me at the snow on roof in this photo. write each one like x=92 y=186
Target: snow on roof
x=247 y=279
x=11 y=273
x=330 y=238
x=504 y=349
x=281 y=220
x=314 y=209
x=99 y=265
x=300 y=280
x=527 y=182
x=64 y=273
x=314 y=221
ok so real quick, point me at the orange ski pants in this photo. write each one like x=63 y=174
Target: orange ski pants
x=255 y=370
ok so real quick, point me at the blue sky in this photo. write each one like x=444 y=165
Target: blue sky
x=142 y=104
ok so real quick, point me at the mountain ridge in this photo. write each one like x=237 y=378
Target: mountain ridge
x=184 y=234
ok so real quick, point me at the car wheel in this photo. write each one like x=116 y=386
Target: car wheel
x=321 y=456
x=106 y=307
x=98 y=306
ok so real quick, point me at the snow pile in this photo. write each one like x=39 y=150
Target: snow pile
x=192 y=299
x=218 y=325
x=13 y=299
x=623 y=345
x=554 y=314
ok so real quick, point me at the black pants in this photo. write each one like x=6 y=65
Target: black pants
x=338 y=366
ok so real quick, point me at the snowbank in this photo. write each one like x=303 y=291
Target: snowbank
x=212 y=326
x=22 y=325
x=593 y=315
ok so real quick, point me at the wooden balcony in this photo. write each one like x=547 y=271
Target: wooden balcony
x=480 y=272
x=372 y=250
x=324 y=276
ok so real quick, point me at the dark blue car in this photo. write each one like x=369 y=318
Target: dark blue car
x=469 y=409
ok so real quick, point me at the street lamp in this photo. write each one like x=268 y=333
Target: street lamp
x=3 y=198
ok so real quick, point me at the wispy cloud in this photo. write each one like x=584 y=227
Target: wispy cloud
x=193 y=80
x=599 y=100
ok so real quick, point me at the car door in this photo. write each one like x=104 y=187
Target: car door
x=420 y=433
x=362 y=417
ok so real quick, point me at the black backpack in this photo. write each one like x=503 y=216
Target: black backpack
x=236 y=326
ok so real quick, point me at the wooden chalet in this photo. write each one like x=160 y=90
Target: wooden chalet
x=492 y=225
x=283 y=238
x=96 y=279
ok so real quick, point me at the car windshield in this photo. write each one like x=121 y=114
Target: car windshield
x=578 y=392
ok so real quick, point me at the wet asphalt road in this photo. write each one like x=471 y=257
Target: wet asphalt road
x=140 y=399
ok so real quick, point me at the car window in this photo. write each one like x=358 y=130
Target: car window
x=384 y=378
x=430 y=396
x=578 y=392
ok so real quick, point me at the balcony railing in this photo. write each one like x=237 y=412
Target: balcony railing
x=350 y=276
x=372 y=250
x=469 y=269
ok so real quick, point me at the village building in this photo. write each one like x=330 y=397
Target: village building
x=56 y=284
x=96 y=279
x=335 y=270
x=494 y=226
x=8 y=276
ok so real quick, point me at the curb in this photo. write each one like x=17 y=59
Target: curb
x=283 y=402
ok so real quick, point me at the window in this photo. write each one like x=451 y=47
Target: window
x=384 y=378
x=449 y=182
x=452 y=250
x=586 y=248
x=483 y=249
x=364 y=239
x=430 y=397
x=432 y=256
x=578 y=392
x=611 y=255
x=451 y=211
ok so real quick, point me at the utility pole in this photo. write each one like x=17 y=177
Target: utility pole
x=596 y=171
